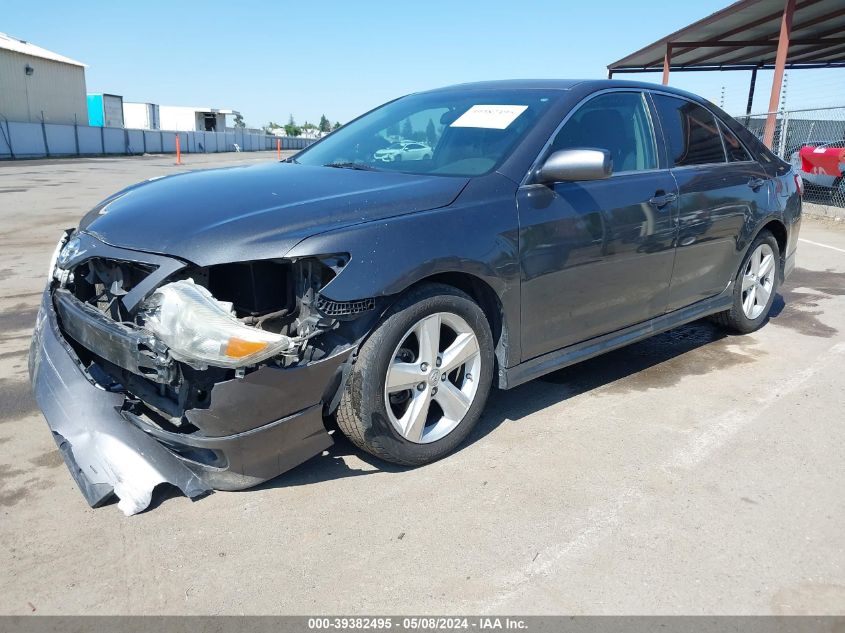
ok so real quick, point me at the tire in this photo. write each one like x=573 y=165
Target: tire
x=740 y=318
x=427 y=157
x=397 y=158
x=372 y=415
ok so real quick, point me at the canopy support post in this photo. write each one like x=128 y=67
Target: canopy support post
x=667 y=62
x=777 y=80
x=751 y=91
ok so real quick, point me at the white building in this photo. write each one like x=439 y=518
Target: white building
x=149 y=116
x=310 y=133
x=141 y=116
x=34 y=80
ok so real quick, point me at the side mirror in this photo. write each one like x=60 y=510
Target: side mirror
x=576 y=164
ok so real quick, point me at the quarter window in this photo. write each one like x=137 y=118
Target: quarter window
x=617 y=122
x=692 y=134
x=736 y=152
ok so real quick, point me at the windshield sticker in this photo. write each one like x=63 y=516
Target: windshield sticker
x=496 y=117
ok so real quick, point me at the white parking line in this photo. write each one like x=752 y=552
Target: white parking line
x=833 y=248
x=604 y=519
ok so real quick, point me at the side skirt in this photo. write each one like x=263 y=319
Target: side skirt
x=536 y=367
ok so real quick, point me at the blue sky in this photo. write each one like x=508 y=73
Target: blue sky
x=270 y=59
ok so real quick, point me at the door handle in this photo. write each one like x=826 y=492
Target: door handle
x=755 y=183
x=662 y=199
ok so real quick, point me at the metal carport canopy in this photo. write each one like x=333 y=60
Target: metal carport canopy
x=749 y=35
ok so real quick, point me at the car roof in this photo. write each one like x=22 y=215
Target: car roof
x=587 y=85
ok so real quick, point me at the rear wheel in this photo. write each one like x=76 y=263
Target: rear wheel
x=421 y=380
x=754 y=287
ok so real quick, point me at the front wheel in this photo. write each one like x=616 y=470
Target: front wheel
x=421 y=380
x=754 y=287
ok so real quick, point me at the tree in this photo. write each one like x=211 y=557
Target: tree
x=336 y=126
x=239 y=121
x=325 y=126
x=431 y=133
x=292 y=129
x=407 y=129
x=393 y=130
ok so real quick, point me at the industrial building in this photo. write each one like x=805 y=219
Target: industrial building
x=188 y=119
x=105 y=110
x=40 y=83
x=141 y=116
x=149 y=116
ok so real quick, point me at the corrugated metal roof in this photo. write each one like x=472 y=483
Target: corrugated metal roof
x=10 y=43
x=745 y=35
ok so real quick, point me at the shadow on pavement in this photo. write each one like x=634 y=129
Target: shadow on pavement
x=661 y=361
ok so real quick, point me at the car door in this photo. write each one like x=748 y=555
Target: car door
x=718 y=192
x=596 y=256
x=415 y=151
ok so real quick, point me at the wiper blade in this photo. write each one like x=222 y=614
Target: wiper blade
x=358 y=166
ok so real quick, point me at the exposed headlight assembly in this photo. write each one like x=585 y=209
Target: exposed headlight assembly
x=61 y=253
x=202 y=331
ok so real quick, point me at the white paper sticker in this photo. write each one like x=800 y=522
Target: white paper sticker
x=496 y=117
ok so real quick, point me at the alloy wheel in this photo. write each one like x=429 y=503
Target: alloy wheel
x=758 y=281
x=433 y=377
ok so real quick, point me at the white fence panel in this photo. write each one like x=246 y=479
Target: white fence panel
x=90 y=141
x=114 y=140
x=168 y=141
x=183 y=142
x=27 y=139
x=153 y=141
x=5 y=150
x=135 y=141
x=61 y=140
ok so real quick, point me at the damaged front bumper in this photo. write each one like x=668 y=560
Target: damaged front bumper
x=253 y=429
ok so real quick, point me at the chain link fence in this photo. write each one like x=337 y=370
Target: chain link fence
x=822 y=128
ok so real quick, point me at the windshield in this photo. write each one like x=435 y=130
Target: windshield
x=448 y=133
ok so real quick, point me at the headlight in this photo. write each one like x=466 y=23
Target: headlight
x=201 y=331
x=69 y=251
x=57 y=252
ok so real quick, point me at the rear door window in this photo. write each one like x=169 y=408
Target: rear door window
x=736 y=152
x=692 y=134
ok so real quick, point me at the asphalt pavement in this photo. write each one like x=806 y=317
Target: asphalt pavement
x=691 y=473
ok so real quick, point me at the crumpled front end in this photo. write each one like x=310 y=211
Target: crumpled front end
x=105 y=455
x=128 y=414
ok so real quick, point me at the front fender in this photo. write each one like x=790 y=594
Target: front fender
x=475 y=236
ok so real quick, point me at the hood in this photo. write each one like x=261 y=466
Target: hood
x=257 y=212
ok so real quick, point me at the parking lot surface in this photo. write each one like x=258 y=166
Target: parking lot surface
x=691 y=473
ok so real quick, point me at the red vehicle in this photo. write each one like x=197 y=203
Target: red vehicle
x=821 y=164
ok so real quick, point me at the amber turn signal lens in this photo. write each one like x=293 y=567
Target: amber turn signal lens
x=238 y=348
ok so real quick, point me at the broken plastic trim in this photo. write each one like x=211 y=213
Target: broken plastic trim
x=127 y=348
x=104 y=454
